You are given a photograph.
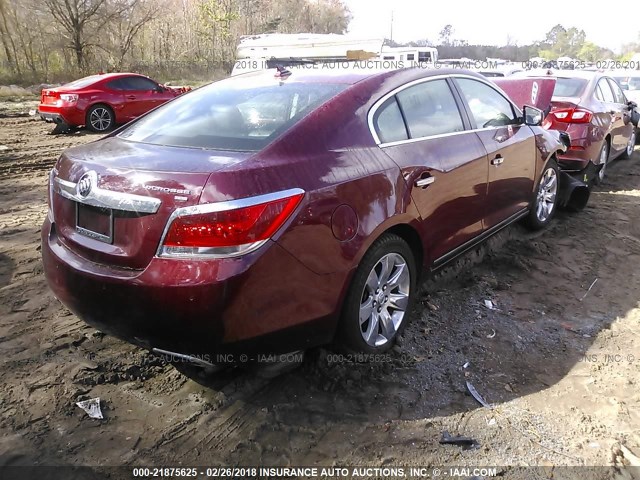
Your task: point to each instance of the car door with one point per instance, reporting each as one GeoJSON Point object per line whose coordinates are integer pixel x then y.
{"type": "Point", "coordinates": [421, 127]}
{"type": "Point", "coordinates": [614, 113]}
{"type": "Point", "coordinates": [623, 128]}
{"type": "Point", "coordinates": [510, 148]}
{"type": "Point", "coordinates": [141, 95]}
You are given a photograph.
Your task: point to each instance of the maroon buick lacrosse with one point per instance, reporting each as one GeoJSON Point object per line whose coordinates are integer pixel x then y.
{"type": "Point", "coordinates": [277, 210]}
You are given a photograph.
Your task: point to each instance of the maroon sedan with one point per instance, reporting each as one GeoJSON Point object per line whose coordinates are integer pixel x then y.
{"type": "Point", "coordinates": [593, 110]}
{"type": "Point", "coordinates": [278, 212]}
{"type": "Point", "coordinates": [101, 101]}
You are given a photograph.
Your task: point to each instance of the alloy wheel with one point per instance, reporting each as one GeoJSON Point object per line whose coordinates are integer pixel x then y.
{"type": "Point", "coordinates": [385, 299]}
{"type": "Point", "coordinates": [632, 144]}
{"type": "Point", "coordinates": [546, 198]}
{"type": "Point", "coordinates": [100, 119]}
{"type": "Point", "coordinates": [604, 157]}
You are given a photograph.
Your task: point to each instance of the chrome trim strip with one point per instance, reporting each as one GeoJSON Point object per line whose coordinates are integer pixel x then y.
{"type": "Point", "coordinates": [220, 207]}
{"type": "Point", "coordinates": [99, 197]}
{"type": "Point", "coordinates": [465, 247]}
{"type": "Point", "coordinates": [384, 98]}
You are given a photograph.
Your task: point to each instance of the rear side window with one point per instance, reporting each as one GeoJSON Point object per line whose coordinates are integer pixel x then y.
{"type": "Point", "coordinates": [388, 122]}
{"type": "Point", "coordinates": [233, 114]}
{"type": "Point", "coordinates": [488, 107]}
{"type": "Point", "coordinates": [569, 87]}
{"type": "Point", "coordinates": [117, 84]}
{"type": "Point", "coordinates": [429, 108]}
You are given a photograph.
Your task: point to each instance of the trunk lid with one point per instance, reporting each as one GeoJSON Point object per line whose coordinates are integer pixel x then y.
{"type": "Point", "coordinates": [49, 96]}
{"type": "Point", "coordinates": [536, 92]}
{"type": "Point", "coordinates": [134, 188]}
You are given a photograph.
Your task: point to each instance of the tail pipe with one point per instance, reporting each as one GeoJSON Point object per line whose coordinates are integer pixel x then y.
{"type": "Point", "coordinates": [574, 194]}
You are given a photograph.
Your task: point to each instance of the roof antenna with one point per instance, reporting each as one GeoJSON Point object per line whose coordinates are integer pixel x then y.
{"type": "Point", "coordinates": [282, 71]}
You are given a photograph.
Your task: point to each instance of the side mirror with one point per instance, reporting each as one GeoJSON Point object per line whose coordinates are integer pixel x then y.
{"type": "Point", "coordinates": [532, 116]}
{"type": "Point", "coordinates": [159, 89]}
{"type": "Point", "coordinates": [631, 104]}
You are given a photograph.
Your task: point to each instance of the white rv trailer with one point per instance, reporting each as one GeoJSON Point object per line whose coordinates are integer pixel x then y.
{"type": "Point", "coordinates": [259, 52]}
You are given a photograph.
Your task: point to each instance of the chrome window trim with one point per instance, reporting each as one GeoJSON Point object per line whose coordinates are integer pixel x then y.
{"type": "Point", "coordinates": [100, 197]}
{"type": "Point", "coordinates": [165, 252]}
{"type": "Point", "coordinates": [384, 98]}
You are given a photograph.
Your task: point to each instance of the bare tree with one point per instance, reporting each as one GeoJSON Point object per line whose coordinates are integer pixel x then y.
{"type": "Point", "coordinates": [74, 16]}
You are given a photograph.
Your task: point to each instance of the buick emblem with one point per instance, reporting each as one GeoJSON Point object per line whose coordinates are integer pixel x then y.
{"type": "Point", "coordinates": [84, 185]}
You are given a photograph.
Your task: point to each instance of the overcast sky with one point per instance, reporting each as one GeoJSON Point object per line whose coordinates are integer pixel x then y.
{"type": "Point", "coordinates": [492, 22]}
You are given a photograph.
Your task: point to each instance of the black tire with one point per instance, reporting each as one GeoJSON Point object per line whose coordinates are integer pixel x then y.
{"type": "Point", "coordinates": [100, 118]}
{"type": "Point", "coordinates": [390, 248]}
{"type": "Point", "coordinates": [628, 151]}
{"type": "Point", "coordinates": [602, 168]}
{"type": "Point", "coordinates": [535, 220]}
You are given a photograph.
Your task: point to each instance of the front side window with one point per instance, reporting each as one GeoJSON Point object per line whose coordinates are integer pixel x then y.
{"type": "Point", "coordinates": [603, 92]}
{"type": "Point", "coordinates": [137, 83]}
{"type": "Point", "coordinates": [488, 107]}
{"type": "Point", "coordinates": [233, 114]}
{"type": "Point", "coordinates": [429, 108]}
{"type": "Point", "coordinates": [618, 95]}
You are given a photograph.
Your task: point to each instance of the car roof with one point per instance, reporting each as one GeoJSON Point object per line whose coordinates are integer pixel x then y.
{"type": "Point", "coordinates": [554, 72]}
{"type": "Point", "coordinates": [109, 76]}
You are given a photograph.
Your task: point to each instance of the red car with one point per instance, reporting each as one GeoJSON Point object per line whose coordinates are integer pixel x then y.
{"type": "Point", "coordinates": [276, 212]}
{"type": "Point", "coordinates": [101, 101]}
{"type": "Point", "coordinates": [592, 108]}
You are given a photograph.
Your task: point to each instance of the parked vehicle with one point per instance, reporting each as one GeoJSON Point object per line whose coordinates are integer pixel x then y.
{"type": "Point", "coordinates": [629, 81]}
{"type": "Point", "coordinates": [101, 101]}
{"type": "Point", "coordinates": [500, 71]}
{"type": "Point", "coordinates": [273, 212]}
{"type": "Point", "coordinates": [592, 108]}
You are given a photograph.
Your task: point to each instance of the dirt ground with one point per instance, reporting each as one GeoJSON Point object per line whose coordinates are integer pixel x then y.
{"type": "Point", "coordinates": [558, 363]}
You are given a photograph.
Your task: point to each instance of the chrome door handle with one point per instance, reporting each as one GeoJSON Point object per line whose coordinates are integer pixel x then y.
{"type": "Point", "coordinates": [497, 161]}
{"type": "Point", "coordinates": [425, 182]}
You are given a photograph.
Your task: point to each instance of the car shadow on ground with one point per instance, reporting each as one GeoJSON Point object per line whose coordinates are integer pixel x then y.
{"type": "Point", "coordinates": [7, 266]}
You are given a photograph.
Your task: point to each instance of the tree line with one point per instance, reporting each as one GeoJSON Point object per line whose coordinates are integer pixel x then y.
{"type": "Point", "coordinates": [558, 42]}
{"type": "Point", "coordinates": [56, 40]}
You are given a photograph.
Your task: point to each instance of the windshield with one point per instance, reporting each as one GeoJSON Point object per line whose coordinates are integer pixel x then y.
{"type": "Point", "coordinates": [234, 114]}
{"type": "Point", "coordinates": [569, 87]}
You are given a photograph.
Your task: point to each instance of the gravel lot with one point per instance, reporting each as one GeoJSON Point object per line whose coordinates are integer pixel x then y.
{"type": "Point", "coordinates": [561, 370]}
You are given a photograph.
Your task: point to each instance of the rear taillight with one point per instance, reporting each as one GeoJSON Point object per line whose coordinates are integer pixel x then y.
{"type": "Point", "coordinates": [68, 98]}
{"type": "Point", "coordinates": [227, 229]}
{"type": "Point", "coordinates": [572, 115]}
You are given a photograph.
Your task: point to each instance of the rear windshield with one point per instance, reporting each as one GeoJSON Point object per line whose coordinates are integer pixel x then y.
{"type": "Point", "coordinates": [82, 82]}
{"type": "Point", "coordinates": [569, 87]}
{"type": "Point", "coordinates": [243, 114]}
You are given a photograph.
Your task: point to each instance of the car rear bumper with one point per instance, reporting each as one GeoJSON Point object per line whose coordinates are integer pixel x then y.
{"type": "Point", "coordinates": [579, 155]}
{"type": "Point", "coordinates": [69, 115]}
{"type": "Point", "coordinates": [197, 307]}
{"type": "Point", "coordinates": [52, 117]}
